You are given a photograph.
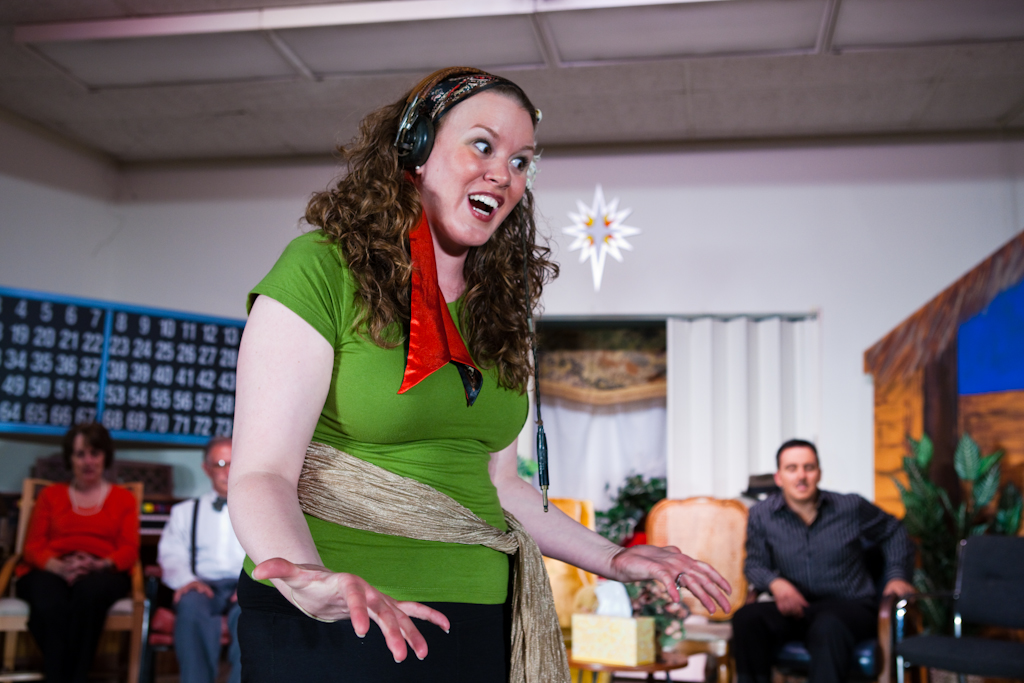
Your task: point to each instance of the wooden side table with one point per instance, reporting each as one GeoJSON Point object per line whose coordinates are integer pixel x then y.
{"type": "Point", "coordinates": [603, 673]}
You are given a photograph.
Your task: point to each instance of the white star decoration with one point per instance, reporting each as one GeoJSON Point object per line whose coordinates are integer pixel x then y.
{"type": "Point", "coordinates": [599, 231]}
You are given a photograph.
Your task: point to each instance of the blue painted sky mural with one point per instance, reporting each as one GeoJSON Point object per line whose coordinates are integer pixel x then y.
{"type": "Point", "coordinates": [991, 346]}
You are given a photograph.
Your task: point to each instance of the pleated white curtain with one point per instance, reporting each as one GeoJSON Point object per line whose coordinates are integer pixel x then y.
{"type": "Point", "coordinates": [737, 388]}
{"type": "Point", "coordinates": [592, 446]}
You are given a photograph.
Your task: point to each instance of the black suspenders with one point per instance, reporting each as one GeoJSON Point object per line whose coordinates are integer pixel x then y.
{"type": "Point", "coordinates": [195, 518]}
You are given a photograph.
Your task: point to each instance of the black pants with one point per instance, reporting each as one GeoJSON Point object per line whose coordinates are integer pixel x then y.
{"type": "Point", "coordinates": [279, 643]}
{"type": "Point", "coordinates": [830, 629]}
{"type": "Point", "coordinates": [67, 620]}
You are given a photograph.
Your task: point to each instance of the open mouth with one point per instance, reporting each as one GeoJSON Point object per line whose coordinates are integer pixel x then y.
{"type": "Point", "coordinates": [483, 205]}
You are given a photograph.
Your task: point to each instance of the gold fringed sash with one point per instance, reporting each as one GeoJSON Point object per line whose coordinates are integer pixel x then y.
{"type": "Point", "coordinates": [340, 488]}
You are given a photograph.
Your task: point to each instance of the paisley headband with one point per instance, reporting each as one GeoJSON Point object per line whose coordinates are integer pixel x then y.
{"type": "Point", "coordinates": [454, 89]}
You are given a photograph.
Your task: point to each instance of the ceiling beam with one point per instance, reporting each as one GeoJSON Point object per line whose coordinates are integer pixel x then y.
{"type": "Point", "coordinates": [1011, 114]}
{"type": "Point", "coordinates": [279, 18]}
{"type": "Point", "coordinates": [288, 55]}
{"type": "Point", "coordinates": [828, 27]}
{"type": "Point", "coordinates": [548, 47]}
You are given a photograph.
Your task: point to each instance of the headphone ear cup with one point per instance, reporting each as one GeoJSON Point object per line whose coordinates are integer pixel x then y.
{"type": "Point", "coordinates": [421, 140]}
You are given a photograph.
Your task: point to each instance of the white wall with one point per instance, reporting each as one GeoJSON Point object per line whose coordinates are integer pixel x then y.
{"type": "Point", "coordinates": [866, 234]}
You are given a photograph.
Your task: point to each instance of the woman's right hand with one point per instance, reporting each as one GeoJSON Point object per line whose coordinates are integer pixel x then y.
{"type": "Point", "coordinates": [331, 596]}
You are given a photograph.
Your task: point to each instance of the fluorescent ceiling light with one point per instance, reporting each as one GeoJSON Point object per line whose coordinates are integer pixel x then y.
{"type": "Point", "coordinates": [416, 45]}
{"type": "Point", "coordinates": [169, 59]}
{"type": "Point", "coordinates": [669, 31]}
{"type": "Point", "coordinates": [877, 23]}
{"type": "Point", "coordinates": [279, 18]}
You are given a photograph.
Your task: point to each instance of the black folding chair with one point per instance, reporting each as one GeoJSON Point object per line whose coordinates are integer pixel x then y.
{"type": "Point", "coordinates": [989, 591]}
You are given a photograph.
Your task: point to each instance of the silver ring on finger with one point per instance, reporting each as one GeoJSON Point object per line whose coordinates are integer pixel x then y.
{"type": "Point", "coordinates": [679, 583]}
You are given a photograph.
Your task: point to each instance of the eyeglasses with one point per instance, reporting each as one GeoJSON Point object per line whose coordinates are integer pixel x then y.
{"type": "Point", "coordinates": [220, 464]}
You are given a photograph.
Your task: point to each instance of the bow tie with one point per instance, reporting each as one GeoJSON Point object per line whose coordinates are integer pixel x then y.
{"type": "Point", "coordinates": [219, 503]}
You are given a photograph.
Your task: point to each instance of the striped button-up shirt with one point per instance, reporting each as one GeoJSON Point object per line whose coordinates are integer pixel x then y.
{"type": "Point", "coordinates": [825, 559]}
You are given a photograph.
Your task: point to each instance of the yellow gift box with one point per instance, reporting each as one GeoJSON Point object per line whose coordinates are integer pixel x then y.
{"type": "Point", "coordinates": [625, 641]}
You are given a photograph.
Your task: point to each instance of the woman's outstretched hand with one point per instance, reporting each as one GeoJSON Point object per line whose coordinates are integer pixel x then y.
{"type": "Point", "coordinates": [330, 596]}
{"type": "Point", "coordinates": [673, 569]}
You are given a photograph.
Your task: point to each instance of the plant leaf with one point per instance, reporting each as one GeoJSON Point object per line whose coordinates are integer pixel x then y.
{"type": "Point", "coordinates": [922, 583]}
{"type": "Point", "coordinates": [946, 503]}
{"type": "Point", "coordinates": [913, 443]}
{"type": "Point", "coordinates": [908, 498]}
{"type": "Point", "coordinates": [967, 458]}
{"type": "Point", "coordinates": [902, 489]}
{"type": "Point", "coordinates": [1011, 496]}
{"type": "Point", "coordinates": [1013, 520]}
{"type": "Point", "coordinates": [1008, 515]}
{"type": "Point", "coordinates": [919, 484]}
{"type": "Point", "coordinates": [923, 452]}
{"type": "Point", "coordinates": [635, 497]}
{"type": "Point", "coordinates": [988, 462]}
{"type": "Point", "coordinates": [985, 488]}
{"type": "Point", "coordinates": [1001, 524]}
{"type": "Point", "coordinates": [933, 612]}
{"type": "Point", "coordinates": [526, 468]}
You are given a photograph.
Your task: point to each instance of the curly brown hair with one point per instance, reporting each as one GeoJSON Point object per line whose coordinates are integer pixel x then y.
{"type": "Point", "coordinates": [370, 212]}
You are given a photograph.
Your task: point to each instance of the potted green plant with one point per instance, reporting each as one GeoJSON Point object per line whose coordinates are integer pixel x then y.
{"type": "Point", "coordinates": [632, 502]}
{"type": "Point", "coordinates": [938, 526]}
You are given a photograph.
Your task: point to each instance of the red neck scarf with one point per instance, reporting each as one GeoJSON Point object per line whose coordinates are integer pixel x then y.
{"type": "Point", "coordinates": [434, 340]}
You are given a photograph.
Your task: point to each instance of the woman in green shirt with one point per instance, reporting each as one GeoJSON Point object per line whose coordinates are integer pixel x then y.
{"type": "Point", "coordinates": [394, 337]}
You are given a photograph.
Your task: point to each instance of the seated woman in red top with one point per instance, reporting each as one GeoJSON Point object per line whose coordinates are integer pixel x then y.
{"type": "Point", "coordinates": [82, 541]}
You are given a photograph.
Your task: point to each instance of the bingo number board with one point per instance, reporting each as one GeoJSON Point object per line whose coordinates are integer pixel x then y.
{"type": "Point", "coordinates": [146, 374]}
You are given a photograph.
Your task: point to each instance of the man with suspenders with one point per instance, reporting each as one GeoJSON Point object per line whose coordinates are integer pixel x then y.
{"type": "Point", "coordinates": [201, 560]}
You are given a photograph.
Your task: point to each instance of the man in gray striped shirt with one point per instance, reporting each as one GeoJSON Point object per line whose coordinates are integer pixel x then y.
{"type": "Point", "coordinates": [807, 548]}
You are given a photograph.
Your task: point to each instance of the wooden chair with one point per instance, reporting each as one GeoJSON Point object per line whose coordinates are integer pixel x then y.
{"type": "Point", "coordinates": [714, 531]}
{"type": "Point", "coordinates": [566, 579]}
{"type": "Point", "coordinates": [127, 614]}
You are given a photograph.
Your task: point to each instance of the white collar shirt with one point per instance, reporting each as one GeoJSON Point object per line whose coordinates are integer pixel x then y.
{"type": "Point", "coordinates": [218, 554]}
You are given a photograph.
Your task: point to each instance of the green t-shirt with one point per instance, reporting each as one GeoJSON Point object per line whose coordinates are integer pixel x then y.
{"type": "Point", "coordinates": [428, 434]}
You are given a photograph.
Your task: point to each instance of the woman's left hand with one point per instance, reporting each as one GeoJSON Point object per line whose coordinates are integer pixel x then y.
{"type": "Point", "coordinates": [563, 538]}
{"type": "Point", "coordinates": [673, 569]}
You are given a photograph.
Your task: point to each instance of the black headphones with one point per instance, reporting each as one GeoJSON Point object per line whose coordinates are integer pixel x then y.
{"type": "Point", "coordinates": [415, 136]}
